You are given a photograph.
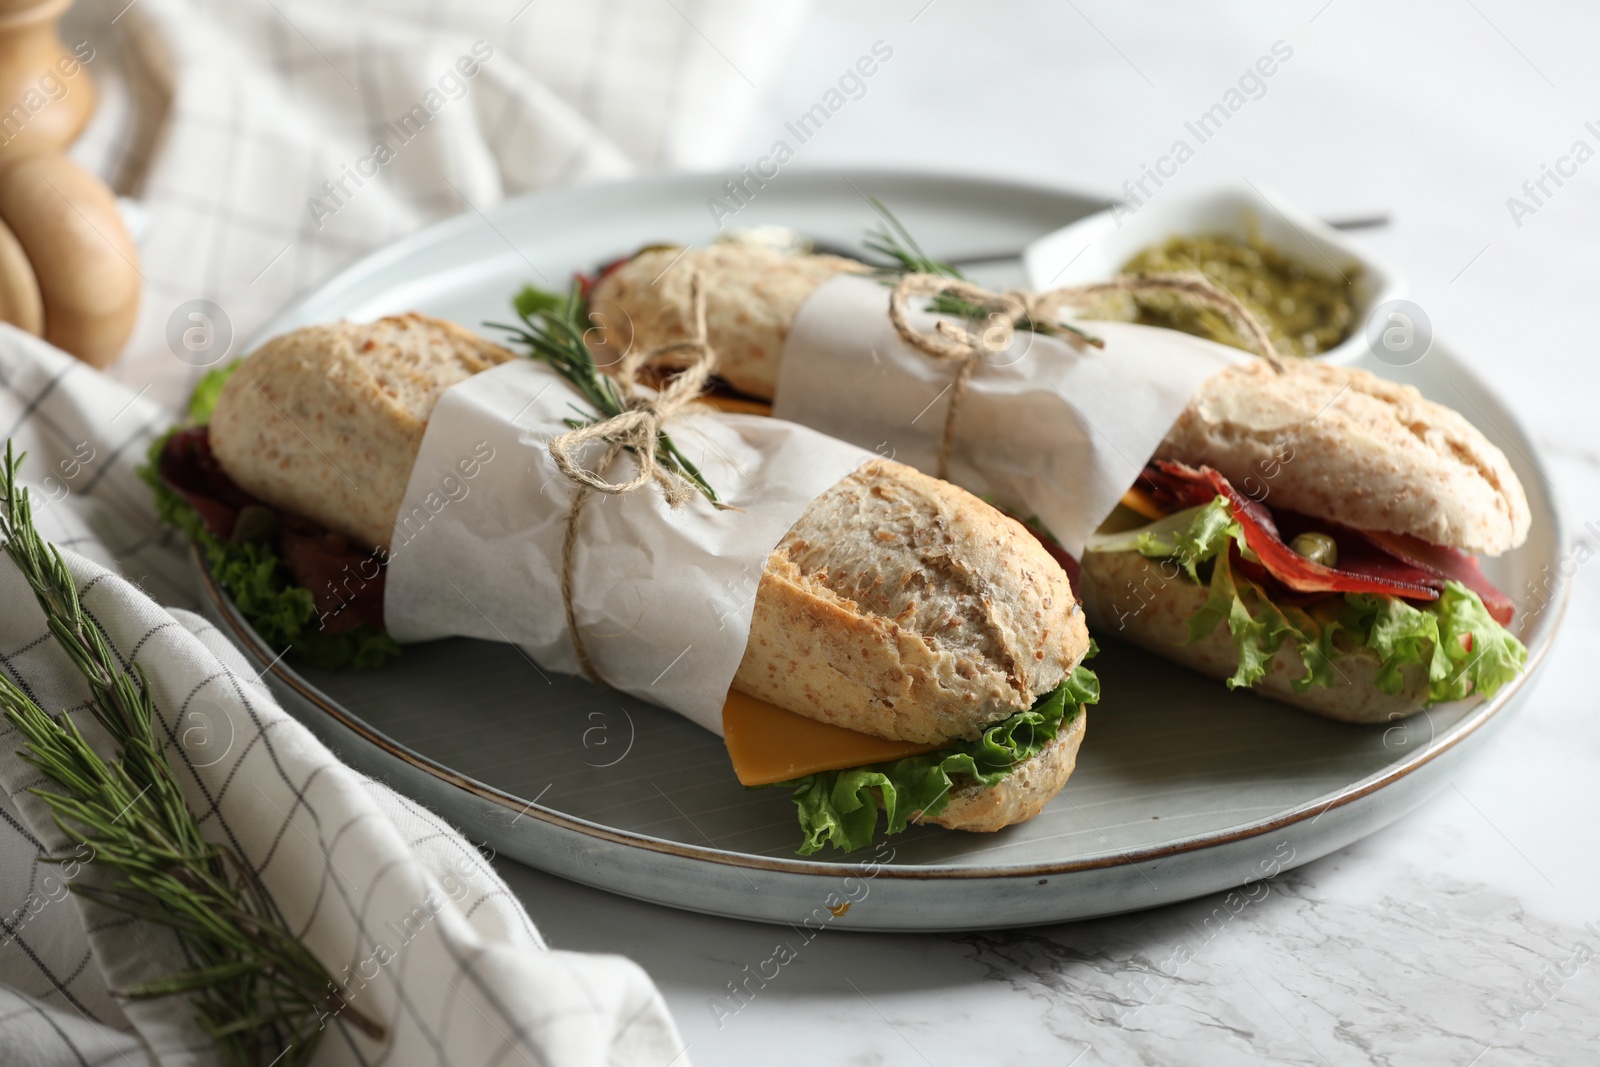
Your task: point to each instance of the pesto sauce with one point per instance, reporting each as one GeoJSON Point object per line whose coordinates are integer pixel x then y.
{"type": "Point", "coordinates": [1305, 311]}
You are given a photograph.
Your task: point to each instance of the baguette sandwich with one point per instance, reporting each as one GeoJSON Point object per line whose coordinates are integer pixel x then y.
{"type": "Point", "coordinates": [912, 650]}
{"type": "Point", "coordinates": [1310, 535]}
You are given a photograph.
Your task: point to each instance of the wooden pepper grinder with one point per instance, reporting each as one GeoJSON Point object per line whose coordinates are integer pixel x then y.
{"type": "Point", "coordinates": [68, 268]}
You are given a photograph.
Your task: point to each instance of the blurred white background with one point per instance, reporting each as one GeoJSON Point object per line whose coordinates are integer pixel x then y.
{"type": "Point", "coordinates": [1434, 113]}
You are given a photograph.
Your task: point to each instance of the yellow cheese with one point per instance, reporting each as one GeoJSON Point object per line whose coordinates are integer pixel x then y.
{"type": "Point", "coordinates": [1143, 503]}
{"type": "Point", "coordinates": [734, 404]}
{"type": "Point", "coordinates": [768, 744]}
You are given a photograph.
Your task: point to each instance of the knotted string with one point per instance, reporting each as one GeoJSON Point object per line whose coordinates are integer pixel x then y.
{"type": "Point", "coordinates": [951, 343]}
{"type": "Point", "coordinates": [637, 429]}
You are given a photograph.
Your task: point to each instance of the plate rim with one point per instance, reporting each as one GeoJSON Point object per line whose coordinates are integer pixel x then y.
{"type": "Point", "coordinates": [245, 636]}
{"type": "Point", "coordinates": [445, 228]}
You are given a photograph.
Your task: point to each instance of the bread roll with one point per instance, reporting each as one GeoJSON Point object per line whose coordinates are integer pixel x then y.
{"type": "Point", "coordinates": [325, 421]}
{"type": "Point", "coordinates": [752, 297]}
{"type": "Point", "coordinates": [901, 606]}
{"type": "Point", "coordinates": [1020, 795]}
{"type": "Point", "coordinates": [1367, 453]}
{"type": "Point", "coordinates": [1127, 596]}
{"type": "Point", "coordinates": [84, 262]}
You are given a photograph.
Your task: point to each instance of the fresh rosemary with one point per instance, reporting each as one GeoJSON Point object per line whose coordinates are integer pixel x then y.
{"type": "Point", "coordinates": [893, 241]}
{"type": "Point", "coordinates": [553, 328]}
{"type": "Point", "coordinates": [257, 991]}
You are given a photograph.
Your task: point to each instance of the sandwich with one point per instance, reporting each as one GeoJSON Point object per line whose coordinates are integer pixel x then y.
{"type": "Point", "coordinates": [1310, 535]}
{"type": "Point", "coordinates": [913, 652]}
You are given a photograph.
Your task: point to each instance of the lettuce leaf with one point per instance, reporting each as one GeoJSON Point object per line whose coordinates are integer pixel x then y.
{"type": "Point", "coordinates": [1464, 650]}
{"type": "Point", "coordinates": [203, 401]}
{"type": "Point", "coordinates": [284, 614]}
{"type": "Point", "coordinates": [1202, 536]}
{"type": "Point", "coordinates": [840, 808]}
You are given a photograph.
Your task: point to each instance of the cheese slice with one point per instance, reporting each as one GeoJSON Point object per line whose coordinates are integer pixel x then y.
{"type": "Point", "coordinates": [768, 744]}
{"type": "Point", "coordinates": [736, 405]}
{"type": "Point", "coordinates": [1142, 502]}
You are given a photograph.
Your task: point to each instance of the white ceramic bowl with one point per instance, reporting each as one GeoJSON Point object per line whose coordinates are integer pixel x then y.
{"type": "Point", "coordinates": [1094, 248]}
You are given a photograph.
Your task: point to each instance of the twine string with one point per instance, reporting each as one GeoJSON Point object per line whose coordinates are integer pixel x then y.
{"type": "Point", "coordinates": [637, 429]}
{"type": "Point", "coordinates": [1013, 309]}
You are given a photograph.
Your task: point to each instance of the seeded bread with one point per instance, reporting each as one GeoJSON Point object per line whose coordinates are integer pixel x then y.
{"type": "Point", "coordinates": [1126, 596]}
{"type": "Point", "coordinates": [901, 606]}
{"type": "Point", "coordinates": [325, 421]}
{"type": "Point", "coordinates": [752, 297]}
{"type": "Point", "coordinates": [1020, 795]}
{"type": "Point", "coordinates": [1345, 445]}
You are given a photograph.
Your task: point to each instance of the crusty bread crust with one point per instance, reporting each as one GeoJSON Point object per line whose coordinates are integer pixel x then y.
{"type": "Point", "coordinates": [1366, 452]}
{"type": "Point", "coordinates": [1127, 596]}
{"type": "Point", "coordinates": [325, 421]}
{"type": "Point", "coordinates": [752, 297]}
{"type": "Point", "coordinates": [1020, 795]}
{"type": "Point", "coordinates": [901, 606]}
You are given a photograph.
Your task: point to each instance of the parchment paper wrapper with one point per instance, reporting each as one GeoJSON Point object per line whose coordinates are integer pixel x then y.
{"type": "Point", "coordinates": [1047, 427]}
{"type": "Point", "coordinates": [664, 598]}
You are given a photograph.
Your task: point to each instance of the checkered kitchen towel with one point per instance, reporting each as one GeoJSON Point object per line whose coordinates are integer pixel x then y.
{"type": "Point", "coordinates": [232, 127]}
{"type": "Point", "coordinates": [243, 128]}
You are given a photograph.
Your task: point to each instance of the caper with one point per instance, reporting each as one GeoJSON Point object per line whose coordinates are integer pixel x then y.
{"type": "Point", "coordinates": [1317, 547]}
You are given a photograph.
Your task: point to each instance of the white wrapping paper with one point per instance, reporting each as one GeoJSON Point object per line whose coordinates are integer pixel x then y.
{"type": "Point", "coordinates": [664, 598]}
{"type": "Point", "coordinates": [1046, 428]}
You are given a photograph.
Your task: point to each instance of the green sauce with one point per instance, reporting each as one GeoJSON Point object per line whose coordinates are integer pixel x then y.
{"type": "Point", "coordinates": [1306, 311]}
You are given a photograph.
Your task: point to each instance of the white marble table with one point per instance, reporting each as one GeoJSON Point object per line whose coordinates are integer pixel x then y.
{"type": "Point", "coordinates": [1429, 942]}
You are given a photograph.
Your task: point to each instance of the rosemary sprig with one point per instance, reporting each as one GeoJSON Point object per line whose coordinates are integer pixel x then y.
{"type": "Point", "coordinates": [894, 241]}
{"type": "Point", "coordinates": [552, 328]}
{"type": "Point", "coordinates": [257, 991]}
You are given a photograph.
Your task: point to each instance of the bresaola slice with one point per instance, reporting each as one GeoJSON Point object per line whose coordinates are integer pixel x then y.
{"type": "Point", "coordinates": [318, 559]}
{"type": "Point", "coordinates": [1386, 564]}
{"type": "Point", "coordinates": [1283, 562]}
{"type": "Point", "coordinates": [1448, 563]}
{"type": "Point", "coordinates": [1359, 555]}
{"type": "Point", "coordinates": [189, 469]}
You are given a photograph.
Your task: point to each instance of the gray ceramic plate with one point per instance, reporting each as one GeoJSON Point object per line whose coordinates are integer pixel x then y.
{"type": "Point", "coordinates": [1181, 788]}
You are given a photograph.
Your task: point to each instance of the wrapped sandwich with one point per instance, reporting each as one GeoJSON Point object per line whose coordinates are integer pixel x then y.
{"type": "Point", "coordinates": [904, 647]}
{"type": "Point", "coordinates": [1304, 529]}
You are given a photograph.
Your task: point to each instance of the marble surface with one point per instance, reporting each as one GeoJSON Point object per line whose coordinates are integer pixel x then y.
{"type": "Point", "coordinates": [1464, 933]}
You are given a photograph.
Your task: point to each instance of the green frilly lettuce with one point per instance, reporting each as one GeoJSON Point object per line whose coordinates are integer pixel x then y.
{"type": "Point", "coordinates": [1463, 649]}
{"type": "Point", "coordinates": [841, 808]}
{"type": "Point", "coordinates": [284, 614]}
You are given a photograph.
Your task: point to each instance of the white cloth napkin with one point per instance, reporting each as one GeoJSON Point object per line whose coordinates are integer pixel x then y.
{"type": "Point", "coordinates": [222, 120]}
{"type": "Point", "coordinates": [348, 862]}
{"type": "Point", "coordinates": [220, 123]}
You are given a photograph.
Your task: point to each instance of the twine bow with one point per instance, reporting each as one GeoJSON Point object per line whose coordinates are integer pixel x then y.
{"type": "Point", "coordinates": [952, 343]}
{"type": "Point", "coordinates": [637, 429]}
